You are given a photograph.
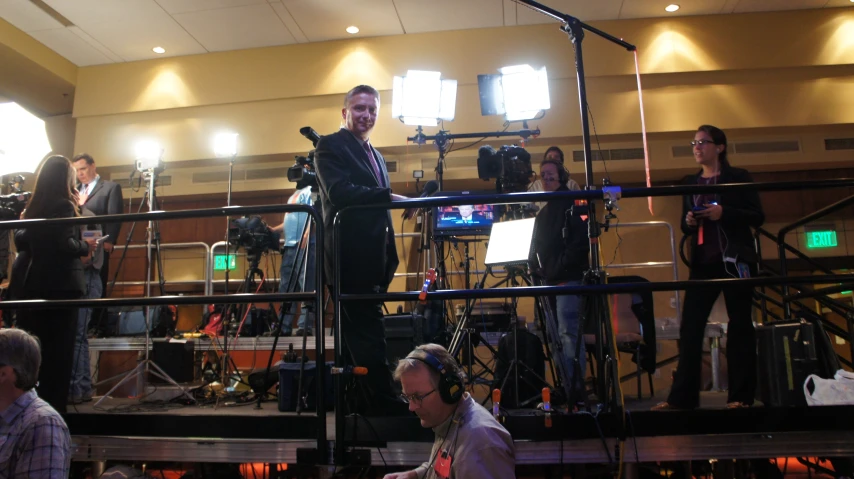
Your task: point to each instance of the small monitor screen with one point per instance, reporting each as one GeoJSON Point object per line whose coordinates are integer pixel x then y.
{"type": "Point", "coordinates": [462, 219]}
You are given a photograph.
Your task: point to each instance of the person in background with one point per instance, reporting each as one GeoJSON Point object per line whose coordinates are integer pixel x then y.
{"type": "Point", "coordinates": [563, 261]}
{"type": "Point", "coordinates": [722, 247]}
{"type": "Point", "coordinates": [469, 442]}
{"type": "Point", "coordinates": [80, 390]}
{"type": "Point", "coordinates": [49, 266]}
{"type": "Point", "coordinates": [36, 443]}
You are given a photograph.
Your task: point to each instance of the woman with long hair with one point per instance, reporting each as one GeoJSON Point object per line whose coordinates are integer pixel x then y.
{"type": "Point", "coordinates": [721, 247]}
{"type": "Point", "coordinates": [48, 266]}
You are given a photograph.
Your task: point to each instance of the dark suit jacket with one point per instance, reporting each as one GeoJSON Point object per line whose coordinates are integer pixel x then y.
{"type": "Point", "coordinates": [368, 255]}
{"type": "Point", "coordinates": [106, 199]}
{"type": "Point", "coordinates": [48, 263]}
{"type": "Point", "coordinates": [741, 211]}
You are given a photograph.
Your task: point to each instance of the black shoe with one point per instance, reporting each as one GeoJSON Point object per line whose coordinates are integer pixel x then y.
{"type": "Point", "coordinates": [299, 331]}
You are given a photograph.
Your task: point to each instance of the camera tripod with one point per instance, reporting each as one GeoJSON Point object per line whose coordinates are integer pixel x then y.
{"type": "Point", "coordinates": [147, 366]}
{"type": "Point", "coordinates": [302, 251]}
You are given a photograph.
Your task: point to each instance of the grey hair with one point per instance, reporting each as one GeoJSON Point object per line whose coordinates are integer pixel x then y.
{"type": "Point", "coordinates": [22, 351]}
{"type": "Point", "coordinates": [414, 360]}
{"type": "Point", "coordinates": [359, 90]}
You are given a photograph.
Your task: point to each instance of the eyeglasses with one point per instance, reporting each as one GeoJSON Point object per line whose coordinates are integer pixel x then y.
{"type": "Point", "coordinates": [702, 142]}
{"type": "Point", "coordinates": [415, 398]}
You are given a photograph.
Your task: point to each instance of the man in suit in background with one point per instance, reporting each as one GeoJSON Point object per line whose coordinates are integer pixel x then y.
{"type": "Point", "coordinates": [352, 172]}
{"type": "Point", "coordinates": [101, 197]}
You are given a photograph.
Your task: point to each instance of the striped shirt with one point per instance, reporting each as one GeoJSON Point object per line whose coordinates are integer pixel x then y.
{"type": "Point", "coordinates": [34, 440]}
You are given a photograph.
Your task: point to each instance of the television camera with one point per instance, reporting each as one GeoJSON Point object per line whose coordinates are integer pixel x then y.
{"type": "Point", "coordinates": [510, 166]}
{"type": "Point", "coordinates": [252, 234]}
{"type": "Point", "coordinates": [304, 173]}
{"type": "Point", "coordinates": [12, 204]}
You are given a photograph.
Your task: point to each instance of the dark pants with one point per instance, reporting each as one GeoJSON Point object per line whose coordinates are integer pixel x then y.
{"type": "Point", "coordinates": [55, 329]}
{"type": "Point", "coordinates": [364, 339]}
{"type": "Point", "coordinates": [741, 339]}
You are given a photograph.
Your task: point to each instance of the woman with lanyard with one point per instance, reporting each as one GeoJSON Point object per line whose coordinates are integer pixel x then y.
{"type": "Point", "coordinates": [721, 247]}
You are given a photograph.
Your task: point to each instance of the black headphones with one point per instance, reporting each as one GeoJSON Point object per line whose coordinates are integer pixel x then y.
{"type": "Point", "coordinates": [450, 384]}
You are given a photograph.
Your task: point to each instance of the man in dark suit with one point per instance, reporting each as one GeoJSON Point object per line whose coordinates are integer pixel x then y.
{"type": "Point", "coordinates": [468, 216]}
{"type": "Point", "coordinates": [352, 172]}
{"type": "Point", "coordinates": [101, 197]}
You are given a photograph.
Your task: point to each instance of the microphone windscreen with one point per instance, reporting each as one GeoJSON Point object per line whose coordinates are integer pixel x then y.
{"type": "Point", "coordinates": [485, 151]}
{"type": "Point", "coordinates": [430, 187]}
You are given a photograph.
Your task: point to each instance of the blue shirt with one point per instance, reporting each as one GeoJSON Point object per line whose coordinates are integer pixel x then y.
{"type": "Point", "coordinates": [34, 440]}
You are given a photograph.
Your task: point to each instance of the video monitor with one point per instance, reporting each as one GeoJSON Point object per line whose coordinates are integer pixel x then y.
{"type": "Point", "coordinates": [463, 219]}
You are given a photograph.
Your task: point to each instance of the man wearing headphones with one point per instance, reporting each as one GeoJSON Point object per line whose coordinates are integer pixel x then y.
{"type": "Point", "coordinates": [469, 441]}
{"type": "Point", "coordinates": [559, 254]}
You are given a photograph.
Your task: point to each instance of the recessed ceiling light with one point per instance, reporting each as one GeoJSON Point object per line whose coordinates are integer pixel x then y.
{"type": "Point", "coordinates": [673, 7]}
{"type": "Point", "coordinates": [158, 50]}
{"type": "Point", "coordinates": [352, 30]}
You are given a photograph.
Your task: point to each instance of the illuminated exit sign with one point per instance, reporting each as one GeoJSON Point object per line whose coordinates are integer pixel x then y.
{"type": "Point", "coordinates": [821, 239]}
{"type": "Point", "coordinates": [220, 262]}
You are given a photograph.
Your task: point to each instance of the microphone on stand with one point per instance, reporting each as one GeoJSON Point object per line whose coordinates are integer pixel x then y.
{"type": "Point", "coordinates": [430, 188]}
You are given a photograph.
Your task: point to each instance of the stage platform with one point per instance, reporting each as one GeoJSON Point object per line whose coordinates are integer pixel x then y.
{"type": "Point", "coordinates": [125, 429]}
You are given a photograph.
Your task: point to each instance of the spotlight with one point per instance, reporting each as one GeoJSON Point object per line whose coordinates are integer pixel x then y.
{"type": "Point", "coordinates": [158, 50]}
{"type": "Point", "coordinates": [423, 98]}
{"type": "Point", "coordinates": [352, 29]}
{"type": "Point", "coordinates": [519, 92]}
{"type": "Point", "coordinates": [673, 7]}
{"type": "Point", "coordinates": [149, 155]}
{"type": "Point", "coordinates": [225, 145]}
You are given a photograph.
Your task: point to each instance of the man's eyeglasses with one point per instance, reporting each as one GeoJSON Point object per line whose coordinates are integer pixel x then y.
{"type": "Point", "coordinates": [416, 398]}
{"type": "Point", "coordinates": [702, 142]}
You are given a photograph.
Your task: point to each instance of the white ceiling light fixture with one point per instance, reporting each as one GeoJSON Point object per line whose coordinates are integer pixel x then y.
{"type": "Point", "coordinates": [423, 98]}
{"type": "Point", "coordinates": [158, 50]}
{"type": "Point", "coordinates": [23, 140]}
{"type": "Point", "coordinates": [352, 29]}
{"type": "Point", "coordinates": [673, 7]}
{"type": "Point", "coordinates": [519, 92]}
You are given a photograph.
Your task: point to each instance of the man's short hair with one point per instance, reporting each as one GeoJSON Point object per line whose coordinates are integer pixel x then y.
{"type": "Point", "coordinates": [408, 364]}
{"type": "Point", "coordinates": [21, 350]}
{"type": "Point", "coordinates": [359, 90]}
{"type": "Point", "coordinates": [558, 150]}
{"type": "Point", "coordinates": [83, 156]}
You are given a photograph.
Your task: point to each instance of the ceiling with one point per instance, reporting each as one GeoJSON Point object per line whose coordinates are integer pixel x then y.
{"type": "Point", "coordinates": [93, 32]}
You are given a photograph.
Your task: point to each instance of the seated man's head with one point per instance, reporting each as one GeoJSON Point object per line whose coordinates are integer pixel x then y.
{"type": "Point", "coordinates": [20, 358]}
{"type": "Point", "coordinates": [466, 211]}
{"type": "Point", "coordinates": [422, 383]}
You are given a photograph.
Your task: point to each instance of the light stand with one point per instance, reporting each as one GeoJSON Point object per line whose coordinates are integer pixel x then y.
{"type": "Point", "coordinates": [604, 330]}
{"type": "Point", "coordinates": [142, 370]}
{"type": "Point", "coordinates": [441, 141]}
{"type": "Point", "coordinates": [226, 311]}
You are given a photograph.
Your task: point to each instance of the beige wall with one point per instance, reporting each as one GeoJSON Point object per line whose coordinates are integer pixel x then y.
{"type": "Point", "coordinates": [761, 74]}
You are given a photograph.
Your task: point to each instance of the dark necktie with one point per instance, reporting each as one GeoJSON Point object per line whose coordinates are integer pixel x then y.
{"type": "Point", "coordinates": [374, 164]}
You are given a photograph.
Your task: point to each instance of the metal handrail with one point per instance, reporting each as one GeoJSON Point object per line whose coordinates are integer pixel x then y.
{"type": "Point", "coordinates": [207, 257]}
{"type": "Point", "coordinates": [781, 240]}
{"type": "Point", "coordinates": [316, 297]}
{"type": "Point", "coordinates": [656, 264]}
{"type": "Point", "coordinates": [531, 197]}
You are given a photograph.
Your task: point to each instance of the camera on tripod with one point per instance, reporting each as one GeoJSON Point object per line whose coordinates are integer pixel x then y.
{"type": "Point", "coordinates": [252, 234]}
{"type": "Point", "coordinates": [510, 166]}
{"type": "Point", "coordinates": [13, 204]}
{"type": "Point", "coordinates": [303, 173]}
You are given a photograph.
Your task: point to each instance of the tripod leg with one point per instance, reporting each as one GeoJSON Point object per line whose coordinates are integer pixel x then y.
{"type": "Point", "coordinates": [125, 249]}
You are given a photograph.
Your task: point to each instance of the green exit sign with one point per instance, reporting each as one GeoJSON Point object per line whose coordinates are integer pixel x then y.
{"type": "Point", "coordinates": [220, 262]}
{"type": "Point", "coordinates": [821, 239]}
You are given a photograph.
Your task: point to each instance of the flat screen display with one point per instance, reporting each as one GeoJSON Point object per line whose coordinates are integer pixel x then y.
{"type": "Point", "coordinates": [462, 219]}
